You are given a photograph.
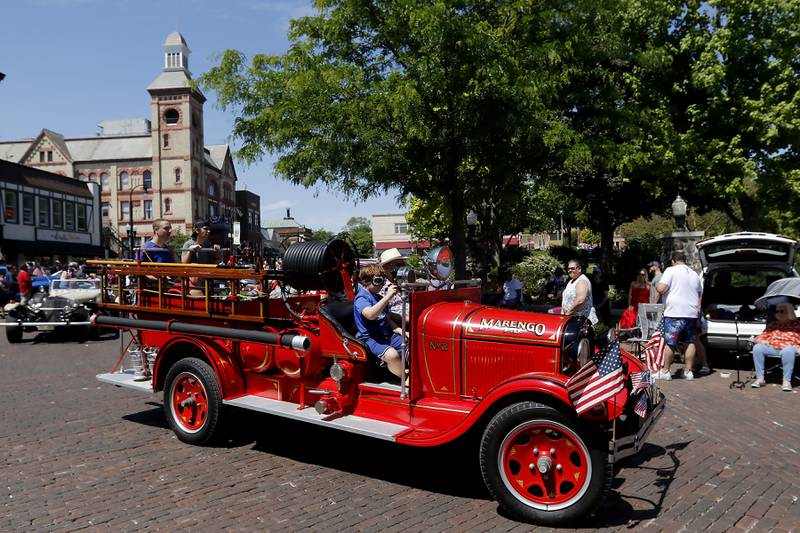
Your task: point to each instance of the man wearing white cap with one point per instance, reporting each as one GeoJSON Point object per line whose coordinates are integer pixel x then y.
{"type": "Point", "coordinates": [391, 259]}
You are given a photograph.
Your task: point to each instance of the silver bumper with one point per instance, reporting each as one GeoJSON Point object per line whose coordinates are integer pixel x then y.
{"type": "Point", "coordinates": [631, 444]}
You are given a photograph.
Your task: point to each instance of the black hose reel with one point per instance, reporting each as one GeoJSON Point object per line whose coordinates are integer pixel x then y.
{"type": "Point", "coordinates": [315, 266]}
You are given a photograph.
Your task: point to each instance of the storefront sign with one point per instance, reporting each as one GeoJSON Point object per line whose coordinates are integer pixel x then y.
{"type": "Point", "coordinates": [63, 236]}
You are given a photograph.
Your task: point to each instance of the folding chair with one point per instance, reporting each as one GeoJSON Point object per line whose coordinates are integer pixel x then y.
{"type": "Point", "coordinates": [648, 318]}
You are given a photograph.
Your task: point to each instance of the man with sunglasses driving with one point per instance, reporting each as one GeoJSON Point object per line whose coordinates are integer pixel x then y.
{"type": "Point", "coordinates": [375, 327]}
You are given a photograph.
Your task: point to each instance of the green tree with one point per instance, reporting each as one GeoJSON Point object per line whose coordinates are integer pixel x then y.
{"type": "Point", "coordinates": [323, 235]}
{"type": "Point", "coordinates": [613, 156]}
{"type": "Point", "coordinates": [737, 109]}
{"type": "Point", "coordinates": [428, 219]}
{"type": "Point", "coordinates": [443, 99]}
{"type": "Point", "coordinates": [360, 232]}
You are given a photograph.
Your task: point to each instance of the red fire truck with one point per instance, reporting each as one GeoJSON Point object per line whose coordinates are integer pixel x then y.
{"type": "Point", "coordinates": [211, 335]}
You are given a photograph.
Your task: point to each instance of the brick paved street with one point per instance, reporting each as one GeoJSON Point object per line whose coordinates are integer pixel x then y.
{"type": "Point", "coordinates": [81, 454]}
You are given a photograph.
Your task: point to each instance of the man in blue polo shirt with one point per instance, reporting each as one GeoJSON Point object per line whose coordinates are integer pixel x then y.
{"type": "Point", "coordinates": [375, 328]}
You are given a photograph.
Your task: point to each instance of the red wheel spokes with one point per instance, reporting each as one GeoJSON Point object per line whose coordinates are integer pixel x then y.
{"type": "Point", "coordinates": [189, 402]}
{"type": "Point", "coordinates": [544, 464]}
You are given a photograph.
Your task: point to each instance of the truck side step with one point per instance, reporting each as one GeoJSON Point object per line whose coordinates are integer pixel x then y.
{"type": "Point", "coordinates": [125, 380]}
{"type": "Point", "coordinates": [353, 424]}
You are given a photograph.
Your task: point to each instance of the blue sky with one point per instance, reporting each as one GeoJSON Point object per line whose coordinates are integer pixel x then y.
{"type": "Point", "coordinates": [72, 63]}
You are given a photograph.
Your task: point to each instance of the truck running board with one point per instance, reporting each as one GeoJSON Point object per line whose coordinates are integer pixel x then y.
{"type": "Point", "coordinates": [126, 380]}
{"type": "Point", "coordinates": [351, 423]}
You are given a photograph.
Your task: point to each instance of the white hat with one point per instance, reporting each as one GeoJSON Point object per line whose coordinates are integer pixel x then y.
{"type": "Point", "coordinates": [392, 254]}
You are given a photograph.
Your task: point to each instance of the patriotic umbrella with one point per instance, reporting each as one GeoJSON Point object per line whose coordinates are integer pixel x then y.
{"type": "Point", "coordinates": [598, 380]}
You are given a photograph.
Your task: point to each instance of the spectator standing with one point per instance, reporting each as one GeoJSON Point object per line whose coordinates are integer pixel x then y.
{"type": "Point", "coordinates": [24, 282]}
{"type": "Point", "coordinates": [680, 287]}
{"type": "Point", "coordinates": [638, 293]}
{"type": "Point", "coordinates": [512, 291]}
{"type": "Point", "coordinates": [577, 296]}
{"type": "Point", "coordinates": [655, 270]}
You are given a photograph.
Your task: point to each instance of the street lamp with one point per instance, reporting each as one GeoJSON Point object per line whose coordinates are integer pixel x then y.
{"type": "Point", "coordinates": [679, 212]}
{"type": "Point", "coordinates": [472, 221]}
{"type": "Point", "coordinates": [131, 229]}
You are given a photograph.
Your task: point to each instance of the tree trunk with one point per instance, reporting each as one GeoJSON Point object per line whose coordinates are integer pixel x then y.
{"type": "Point", "coordinates": [606, 244]}
{"type": "Point", "coordinates": [751, 214]}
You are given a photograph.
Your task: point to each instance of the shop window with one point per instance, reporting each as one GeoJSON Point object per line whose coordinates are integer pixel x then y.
{"type": "Point", "coordinates": [10, 204]}
{"type": "Point", "coordinates": [28, 216]}
{"type": "Point", "coordinates": [58, 214]}
{"type": "Point", "coordinates": [44, 212]}
{"type": "Point", "coordinates": [80, 216]}
{"type": "Point", "coordinates": [69, 216]}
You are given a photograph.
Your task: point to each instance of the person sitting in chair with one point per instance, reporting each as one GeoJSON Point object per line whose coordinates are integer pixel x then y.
{"type": "Point", "coordinates": [375, 327]}
{"type": "Point", "coordinates": [781, 339]}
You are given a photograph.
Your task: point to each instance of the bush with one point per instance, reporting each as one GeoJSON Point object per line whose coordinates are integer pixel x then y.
{"type": "Point", "coordinates": [562, 254]}
{"type": "Point", "coordinates": [534, 271]}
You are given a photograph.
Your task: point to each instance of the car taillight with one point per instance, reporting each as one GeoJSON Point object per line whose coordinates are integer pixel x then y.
{"type": "Point", "coordinates": [714, 314]}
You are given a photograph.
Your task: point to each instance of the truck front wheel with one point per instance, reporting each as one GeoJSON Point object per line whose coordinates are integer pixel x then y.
{"type": "Point", "coordinates": [192, 400]}
{"type": "Point", "coordinates": [540, 468]}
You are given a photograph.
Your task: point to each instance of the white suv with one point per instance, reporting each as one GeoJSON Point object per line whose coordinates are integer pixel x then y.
{"type": "Point", "coordinates": [737, 269]}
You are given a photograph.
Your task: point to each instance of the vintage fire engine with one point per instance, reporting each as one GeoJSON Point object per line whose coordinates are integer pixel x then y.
{"type": "Point", "coordinates": [210, 335]}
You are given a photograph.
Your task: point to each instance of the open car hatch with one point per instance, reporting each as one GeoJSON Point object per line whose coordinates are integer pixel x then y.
{"type": "Point", "coordinates": [748, 247]}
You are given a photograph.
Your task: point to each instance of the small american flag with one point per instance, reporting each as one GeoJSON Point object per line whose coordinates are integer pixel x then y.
{"type": "Point", "coordinates": [599, 379]}
{"type": "Point", "coordinates": [641, 404]}
{"type": "Point", "coordinates": [654, 352]}
{"type": "Point", "coordinates": [641, 380]}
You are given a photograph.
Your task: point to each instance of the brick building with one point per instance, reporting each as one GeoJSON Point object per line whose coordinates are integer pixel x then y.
{"type": "Point", "coordinates": [186, 178]}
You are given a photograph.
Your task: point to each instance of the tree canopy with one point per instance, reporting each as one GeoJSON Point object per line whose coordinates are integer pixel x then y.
{"type": "Point", "coordinates": [518, 110]}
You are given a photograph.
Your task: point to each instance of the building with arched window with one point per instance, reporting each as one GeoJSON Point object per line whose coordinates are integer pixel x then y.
{"type": "Point", "coordinates": [127, 155]}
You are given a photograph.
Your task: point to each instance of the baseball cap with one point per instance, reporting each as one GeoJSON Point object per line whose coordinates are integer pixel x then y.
{"type": "Point", "coordinates": [653, 264]}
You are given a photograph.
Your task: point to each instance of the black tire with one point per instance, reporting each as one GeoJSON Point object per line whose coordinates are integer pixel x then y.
{"type": "Point", "coordinates": [193, 421]}
{"type": "Point", "coordinates": [13, 333]}
{"type": "Point", "coordinates": [517, 432]}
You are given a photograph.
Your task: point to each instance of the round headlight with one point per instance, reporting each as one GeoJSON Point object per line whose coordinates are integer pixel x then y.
{"type": "Point", "coordinates": [440, 262]}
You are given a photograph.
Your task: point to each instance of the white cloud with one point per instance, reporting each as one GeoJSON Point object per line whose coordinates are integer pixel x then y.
{"type": "Point", "coordinates": [283, 204]}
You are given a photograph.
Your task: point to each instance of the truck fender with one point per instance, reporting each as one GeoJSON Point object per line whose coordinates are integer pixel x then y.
{"type": "Point", "coordinates": [217, 353]}
{"type": "Point", "coordinates": [531, 385]}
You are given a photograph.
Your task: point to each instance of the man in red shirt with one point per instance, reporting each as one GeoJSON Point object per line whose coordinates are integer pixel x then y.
{"type": "Point", "coordinates": [24, 282]}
